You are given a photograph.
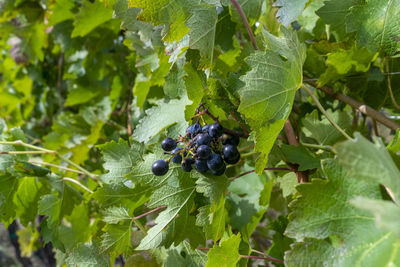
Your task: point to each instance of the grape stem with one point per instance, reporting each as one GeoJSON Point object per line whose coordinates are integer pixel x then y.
{"type": "Point", "coordinates": [227, 131]}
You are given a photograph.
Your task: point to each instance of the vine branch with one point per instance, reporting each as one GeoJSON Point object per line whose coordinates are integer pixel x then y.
{"type": "Point", "coordinates": [302, 177]}
{"type": "Point", "coordinates": [246, 23]}
{"type": "Point", "coordinates": [357, 105]}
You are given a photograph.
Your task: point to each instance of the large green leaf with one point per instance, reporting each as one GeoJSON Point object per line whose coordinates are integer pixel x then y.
{"type": "Point", "coordinates": [289, 10]}
{"type": "Point", "coordinates": [322, 130]}
{"type": "Point", "coordinates": [377, 24]}
{"type": "Point", "coordinates": [90, 16]}
{"type": "Point", "coordinates": [119, 159]}
{"type": "Point", "coordinates": [225, 254]}
{"type": "Point", "coordinates": [371, 162]}
{"type": "Point", "coordinates": [172, 13]}
{"type": "Point", "coordinates": [88, 255]}
{"type": "Point", "coordinates": [386, 213]}
{"type": "Point", "coordinates": [173, 222]}
{"type": "Point", "coordinates": [331, 231]}
{"type": "Point", "coordinates": [202, 25]}
{"type": "Point", "coordinates": [271, 84]}
{"type": "Point", "coordinates": [160, 117]}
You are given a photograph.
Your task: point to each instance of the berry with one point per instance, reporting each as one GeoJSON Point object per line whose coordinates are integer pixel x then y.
{"type": "Point", "coordinates": [203, 152]}
{"type": "Point", "coordinates": [186, 165]}
{"type": "Point", "coordinates": [201, 165]}
{"type": "Point", "coordinates": [230, 152]}
{"type": "Point", "coordinates": [178, 157]}
{"type": "Point", "coordinates": [168, 144]}
{"type": "Point", "coordinates": [233, 161]}
{"type": "Point", "coordinates": [215, 130]}
{"type": "Point", "coordinates": [196, 129]}
{"type": "Point", "coordinates": [189, 130]}
{"type": "Point", "coordinates": [160, 167]}
{"type": "Point", "coordinates": [215, 162]}
{"type": "Point", "coordinates": [220, 171]}
{"type": "Point", "coordinates": [231, 140]}
{"type": "Point", "coordinates": [203, 139]}
{"type": "Point", "coordinates": [205, 128]}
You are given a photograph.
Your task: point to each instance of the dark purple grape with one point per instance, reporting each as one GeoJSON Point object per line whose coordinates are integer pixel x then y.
{"type": "Point", "coordinates": [203, 152]}
{"type": "Point", "coordinates": [177, 158]}
{"type": "Point", "coordinates": [186, 165]}
{"type": "Point", "coordinates": [160, 167]}
{"type": "Point", "coordinates": [203, 139]}
{"type": "Point", "coordinates": [201, 165]}
{"type": "Point", "coordinates": [196, 128]}
{"type": "Point", "coordinates": [168, 144]}
{"type": "Point", "coordinates": [220, 171]}
{"type": "Point", "coordinates": [233, 161]}
{"type": "Point", "coordinates": [189, 130]}
{"type": "Point", "coordinates": [205, 128]}
{"type": "Point", "coordinates": [230, 152]}
{"type": "Point", "coordinates": [231, 140]}
{"type": "Point", "coordinates": [215, 162]}
{"type": "Point", "coordinates": [215, 130]}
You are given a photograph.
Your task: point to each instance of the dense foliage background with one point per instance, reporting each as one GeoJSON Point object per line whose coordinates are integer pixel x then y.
{"type": "Point", "coordinates": [89, 88]}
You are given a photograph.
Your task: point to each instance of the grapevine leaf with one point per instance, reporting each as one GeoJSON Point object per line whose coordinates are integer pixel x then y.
{"type": "Point", "coordinates": [114, 215]}
{"type": "Point", "coordinates": [225, 254]}
{"type": "Point", "coordinates": [300, 155]}
{"type": "Point", "coordinates": [271, 84]}
{"type": "Point", "coordinates": [8, 187]}
{"type": "Point", "coordinates": [318, 212]}
{"type": "Point", "coordinates": [177, 195]}
{"type": "Point", "coordinates": [322, 130]}
{"type": "Point", "coordinates": [386, 213]}
{"type": "Point", "coordinates": [120, 194]}
{"type": "Point", "coordinates": [289, 10]}
{"type": "Point", "coordinates": [377, 24]}
{"type": "Point", "coordinates": [334, 12]}
{"type": "Point", "coordinates": [202, 25]}
{"type": "Point", "coordinates": [117, 238]}
{"type": "Point", "coordinates": [160, 117]}
{"type": "Point", "coordinates": [172, 13]}
{"type": "Point", "coordinates": [26, 198]}
{"type": "Point", "coordinates": [212, 218]}
{"type": "Point", "coordinates": [90, 16]}
{"type": "Point", "coordinates": [322, 211]}
{"type": "Point", "coordinates": [194, 81]}
{"type": "Point", "coordinates": [88, 255]}
{"type": "Point", "coordinates": [288, 184]}
{"type": "Point", "coordinates": [371, 162]}
{"type": "Point", "coordinates": [343, 63]}
{"type": "Point", "coordinates": [211, 186]}
{"type": "Point", "coordinates": [119, 159]}
{"type": "Point", "coordinates": [61, 11]}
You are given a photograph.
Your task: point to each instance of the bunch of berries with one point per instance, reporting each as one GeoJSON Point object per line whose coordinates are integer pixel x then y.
{"type": "Point", "coordinates": [205, 147]}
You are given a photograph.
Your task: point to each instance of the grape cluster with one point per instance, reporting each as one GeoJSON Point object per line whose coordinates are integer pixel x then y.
{"type": "Point", "coordinates": [205, 148]}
